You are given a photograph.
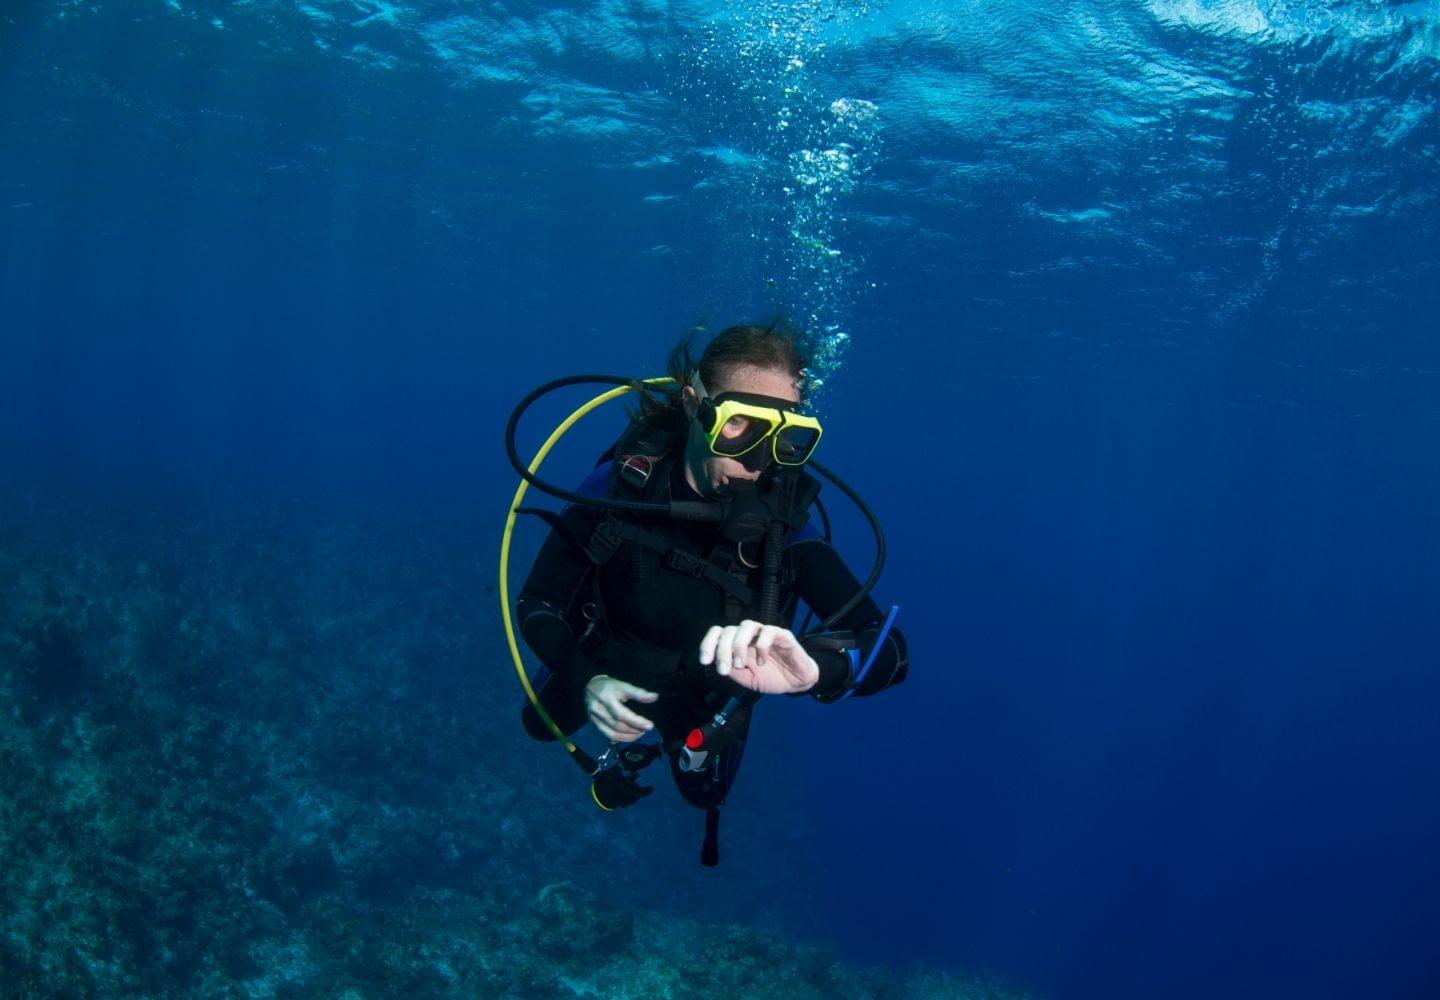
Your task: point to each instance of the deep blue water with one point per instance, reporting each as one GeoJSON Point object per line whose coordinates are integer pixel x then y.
{"type": "Point", "coordinates": [1141, 367]}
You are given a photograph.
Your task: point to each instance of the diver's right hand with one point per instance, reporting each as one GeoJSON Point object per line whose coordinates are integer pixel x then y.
{"type": "Point", "coordinates": [605, 699]}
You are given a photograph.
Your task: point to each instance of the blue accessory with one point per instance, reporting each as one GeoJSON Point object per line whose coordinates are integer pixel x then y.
{"type": "Point", "coordinates": [857, 676]}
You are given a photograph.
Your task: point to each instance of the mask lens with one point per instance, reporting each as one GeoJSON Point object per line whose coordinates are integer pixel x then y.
{"type": "Point", "coordinates": [739, 434]}
{"type": "Point", "coordinates": [793, 445]}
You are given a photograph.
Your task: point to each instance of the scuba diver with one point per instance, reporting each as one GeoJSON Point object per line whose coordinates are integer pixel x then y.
{"type": "Point", "coordinates": [662, 599]}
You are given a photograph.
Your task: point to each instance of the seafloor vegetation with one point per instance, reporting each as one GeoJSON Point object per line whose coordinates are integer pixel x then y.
{"type": "Point", "coordinates": [256, 752]}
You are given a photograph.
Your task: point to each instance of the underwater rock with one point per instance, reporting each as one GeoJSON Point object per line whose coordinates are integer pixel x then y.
{"type": "Point", "coordinates": [297, 874]}
{"type": "Point", "coordinates": [575, 926]}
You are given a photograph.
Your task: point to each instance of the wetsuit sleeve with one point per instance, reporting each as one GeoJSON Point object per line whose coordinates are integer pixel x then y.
{"type": "Point", "coordinates": [825, 583]}
{"type": "Point", "coordinates": [558, 585]}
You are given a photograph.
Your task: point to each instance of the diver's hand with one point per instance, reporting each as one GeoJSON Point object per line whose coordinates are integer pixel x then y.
{"type": "Point", "coordinates": [768, 659]}
{"type": "Point", "coordinates": [605, 699]}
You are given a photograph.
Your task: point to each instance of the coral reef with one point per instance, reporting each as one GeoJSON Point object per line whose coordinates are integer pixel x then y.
{"type": "Point", "coordinates": [271, 753]}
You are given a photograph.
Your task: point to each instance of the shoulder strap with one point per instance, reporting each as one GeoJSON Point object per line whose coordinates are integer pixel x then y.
{"type": "Point", "coordinates": [641, 456]}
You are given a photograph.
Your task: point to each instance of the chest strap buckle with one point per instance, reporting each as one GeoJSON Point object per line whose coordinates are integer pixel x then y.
{"type": "Point", "coordinates": [686, 562]}
{"type": "Point", "coordinates": [604, 540]}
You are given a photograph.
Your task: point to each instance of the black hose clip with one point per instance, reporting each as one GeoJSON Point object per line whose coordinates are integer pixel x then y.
{"type": "Point", "coordinates": [615, 782]}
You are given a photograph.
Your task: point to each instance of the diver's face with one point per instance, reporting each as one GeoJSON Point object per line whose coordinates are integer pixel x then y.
{"type": "Point", "coordinates": [704, 470]}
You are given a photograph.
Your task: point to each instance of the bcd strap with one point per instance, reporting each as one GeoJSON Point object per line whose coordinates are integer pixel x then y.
{"type": "Point", "coordinates": [605, 539]}
{"type": "Point", "coordinates": [612, 532]}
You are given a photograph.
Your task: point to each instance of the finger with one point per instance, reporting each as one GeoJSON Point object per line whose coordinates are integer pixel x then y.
{"type": "Point", "coordinates": [629, 692]}
{"type": "Point", "coordinates": [613, 729]}
{"type": "Point", "coordinates": [603, 714]}
{"type": "Point", "coordinates": [707, 646]}
{"type": "Point", "coordinates": [620, 735]}
{"type": "Point", "coordinates": [740, 642]}
{"type": "Point", "coordinates": [626, 717]}
{"type": "Point", "coordinates": [763, 643]}
{"type": "Point", "coordinates": [601, 718]}
{"type": "Point", "coordinates": [722, 650]}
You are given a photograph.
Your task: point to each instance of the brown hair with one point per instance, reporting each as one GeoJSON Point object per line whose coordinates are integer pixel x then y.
{"type": "Point", "coordinates": [776, 346]}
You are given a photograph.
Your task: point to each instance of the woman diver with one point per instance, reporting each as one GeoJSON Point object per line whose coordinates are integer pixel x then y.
{"type": "Point", "coordinates": [648, 622]}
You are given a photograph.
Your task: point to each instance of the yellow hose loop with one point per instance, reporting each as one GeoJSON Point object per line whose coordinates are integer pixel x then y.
{"type": "Point", "coordinates": [504, 587]}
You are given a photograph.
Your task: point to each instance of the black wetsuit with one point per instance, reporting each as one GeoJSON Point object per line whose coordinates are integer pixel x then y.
{"type": "Point", "coordinates": [654, 617]}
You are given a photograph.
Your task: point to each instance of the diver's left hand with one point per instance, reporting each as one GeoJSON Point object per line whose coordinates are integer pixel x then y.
{"type": "Point", "coordinates": [764, 658]}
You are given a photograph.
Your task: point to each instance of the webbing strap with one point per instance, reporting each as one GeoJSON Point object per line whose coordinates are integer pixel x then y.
{"type": "Point", "coordinates": [611, 533]}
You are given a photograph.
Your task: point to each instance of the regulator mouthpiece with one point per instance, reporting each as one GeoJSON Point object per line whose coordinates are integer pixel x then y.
{"type": "Point", "coordinates": [746, 518]}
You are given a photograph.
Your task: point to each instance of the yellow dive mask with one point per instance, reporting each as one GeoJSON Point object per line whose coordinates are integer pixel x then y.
{"type": "Point", "coordinates": [735, 423]}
